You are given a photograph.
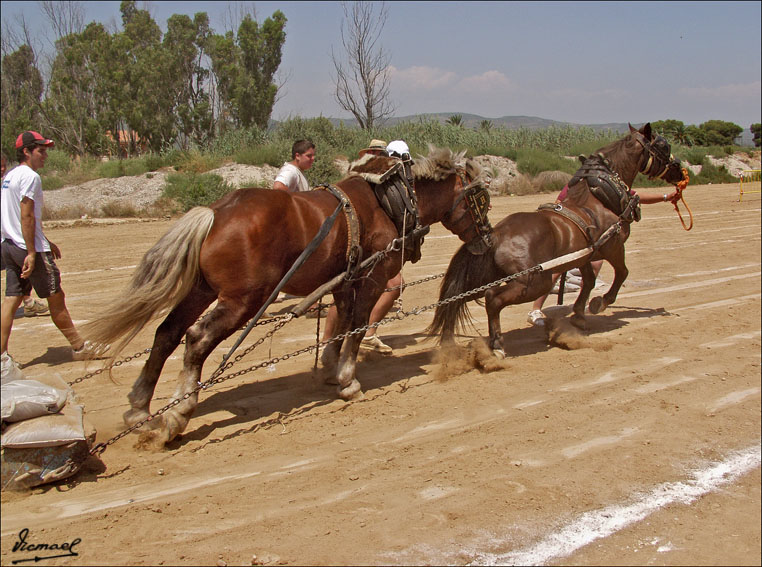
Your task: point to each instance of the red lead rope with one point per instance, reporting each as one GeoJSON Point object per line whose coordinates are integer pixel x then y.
{"type": "Point", "coordinates": [681, 185]}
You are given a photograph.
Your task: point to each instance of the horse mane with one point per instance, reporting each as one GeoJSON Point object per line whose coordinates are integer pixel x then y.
{"type": "Point", "coordinates": [443, 162]}
{"type": "Point", "coordinates": [616, 150]}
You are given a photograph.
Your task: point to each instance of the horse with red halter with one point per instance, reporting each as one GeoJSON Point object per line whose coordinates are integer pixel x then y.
{"type": "Point", "coordinates": [246, 247]}
{"type": "Point", "coordinates": [593, 221]}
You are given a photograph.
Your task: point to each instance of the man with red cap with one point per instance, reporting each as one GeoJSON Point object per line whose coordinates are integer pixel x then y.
{"type": "Point", "coordinates": [28, 256]}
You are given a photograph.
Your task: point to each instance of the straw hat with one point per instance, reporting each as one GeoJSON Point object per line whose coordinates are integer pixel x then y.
{"type": "Point", "coordinates": [376, 146]}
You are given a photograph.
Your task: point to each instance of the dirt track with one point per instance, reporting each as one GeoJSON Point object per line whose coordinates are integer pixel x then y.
{"type": "Point", "coordinates": [640, 447]}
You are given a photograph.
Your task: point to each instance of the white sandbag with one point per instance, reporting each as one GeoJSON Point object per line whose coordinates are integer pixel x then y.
{"type": "Point", "coordinates": [26, 399]}
{"type": "Point", "coordinates": [9, 369]}
{"type": "Point", "coordinates": [48, 430]}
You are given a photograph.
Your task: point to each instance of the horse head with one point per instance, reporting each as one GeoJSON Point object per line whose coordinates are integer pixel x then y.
{"type": "Point", "coordinates": [463, 201]}
{"type": "Point", "coordinates": [657, 160]}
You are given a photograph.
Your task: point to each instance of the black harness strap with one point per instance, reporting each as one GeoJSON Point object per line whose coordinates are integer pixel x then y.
{"type": "Point", "coordinates": [558, 208]}
{"type": "Point", "coordinates": [605, 185]}
{"type": "Point", "coordinates": [354, 250]}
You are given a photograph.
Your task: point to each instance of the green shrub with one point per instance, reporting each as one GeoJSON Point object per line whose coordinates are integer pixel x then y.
{"type": "Point", "coordinates": [52, 182]}
{"type": "Point", "coordinates": [232, 141]}
{"type": "Point", "coordinates": [115, 209]}
{"type": "Point", "coordinates": [112, 168]}
{"type": "Point", "coordinates": [268, 154]}
{"type": "Point", "coordinates": [712, 174]}
{"type": "Point", "coordinates": [534, 161]}
{"type": "Point", "coordinates": [193, 189]}
{"type": "Point", "coordinates": [58, 161]}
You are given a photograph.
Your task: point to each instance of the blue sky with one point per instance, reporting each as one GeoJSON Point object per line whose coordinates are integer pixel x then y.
{"type": "Point", "coordinates": [579, 62]}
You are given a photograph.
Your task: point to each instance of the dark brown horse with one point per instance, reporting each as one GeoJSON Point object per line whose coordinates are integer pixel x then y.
{"type": "Point", "coordinates": [238, 250]}
{"type": "Point", "coordinates": [525, 240]}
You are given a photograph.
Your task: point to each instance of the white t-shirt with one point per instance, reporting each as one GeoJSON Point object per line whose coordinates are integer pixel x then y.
{"type": "Point", "coordinates": [22, 181]}
{"type": "Point", "coordinates": [293, 178]}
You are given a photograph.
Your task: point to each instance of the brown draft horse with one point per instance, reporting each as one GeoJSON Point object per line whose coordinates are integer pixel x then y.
{"type": "Point", "coordinates": [527, 239]}
{"type": "Point", "coordinates": [237, 250]}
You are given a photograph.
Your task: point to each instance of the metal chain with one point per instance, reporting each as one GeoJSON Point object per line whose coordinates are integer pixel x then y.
{"type": "Point", "coordinates": [217, 377]}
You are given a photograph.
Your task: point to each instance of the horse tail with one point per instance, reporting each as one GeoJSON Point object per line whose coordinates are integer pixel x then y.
{"type": "Point", "coordinates": [466, 271]}
{"type": "Point", "coordinates": [164, 277]}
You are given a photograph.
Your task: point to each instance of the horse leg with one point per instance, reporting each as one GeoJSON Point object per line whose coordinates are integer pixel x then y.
{"type": "Point", "coordinates": [201, 339]}
{"type": "Point", "coordinates": [494, 306]}
{"type": "Point", "coordinates": [167, 337]}
{"type": "Point", "coordinates": [588, 282]}
{"type": "Point", "coordinates": [356, 311]}
{"type": "Point", "coordinates": [616, 259]}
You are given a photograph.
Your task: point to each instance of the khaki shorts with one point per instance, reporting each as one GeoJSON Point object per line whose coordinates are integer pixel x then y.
{"type": "Point", "coordinates": [45, 278]}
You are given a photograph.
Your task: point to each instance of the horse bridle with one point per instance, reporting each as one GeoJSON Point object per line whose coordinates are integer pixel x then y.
{"type": "Point", "coordinates": [659, 155]}
{"type": "Point", "coordinates": [476, 204]}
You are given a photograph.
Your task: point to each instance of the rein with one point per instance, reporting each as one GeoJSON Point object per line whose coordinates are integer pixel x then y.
{"type": "Point", "coordinates": [680, 187]}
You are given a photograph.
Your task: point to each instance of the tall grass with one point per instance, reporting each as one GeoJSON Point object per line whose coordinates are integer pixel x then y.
{"type": "Point", "coordinates": [534, 151]}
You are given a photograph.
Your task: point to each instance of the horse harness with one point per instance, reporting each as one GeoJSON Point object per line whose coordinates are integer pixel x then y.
{"type": "Point", "coordinates": [606, 186]}
{"type": "Point", "coordinates": [354, 250]}
{"type": "Point", "coordinates": [475, 197]}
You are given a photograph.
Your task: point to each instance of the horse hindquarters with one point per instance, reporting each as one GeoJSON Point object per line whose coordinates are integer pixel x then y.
{"type": "Point", "coordinates": [466, 271]}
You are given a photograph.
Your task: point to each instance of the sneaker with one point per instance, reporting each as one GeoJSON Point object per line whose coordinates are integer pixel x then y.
{"type": "Point", "coordinates": [374, 343]}
{"type": "Point", "coordinates": [536, 318]}
{"type": "Point", "coordinates": [36, 308]}
{"type": "Point", "coordinates": [89, 351]}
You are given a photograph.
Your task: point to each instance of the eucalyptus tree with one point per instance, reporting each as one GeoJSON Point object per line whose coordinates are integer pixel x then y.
{"type": "Point", "coordinates": [21, 95]}
{"type": "Point", "coordinates": [244, 66]}
{"type": "Point", "coordinates": [189, 79]}
{"type": "Point", "coordinates": [76, 107]}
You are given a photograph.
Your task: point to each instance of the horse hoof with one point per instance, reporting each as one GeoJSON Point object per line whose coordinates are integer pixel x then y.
{"type": "Point", "coordinates": [578, 321]}
{"type": "Point", "coordinates": [499, 353]}
{"type": "Point", "coordinates": [597, 304]}
{"type": "Point", "coordinates": [134, 416]}
{"type": "Point", "coordinates": [351, 392]}
{"type": "Point", "coordinates": [174, 425]}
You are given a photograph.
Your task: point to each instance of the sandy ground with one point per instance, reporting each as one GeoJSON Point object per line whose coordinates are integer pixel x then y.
{"type": "Point", "coordinates": [639, 446]}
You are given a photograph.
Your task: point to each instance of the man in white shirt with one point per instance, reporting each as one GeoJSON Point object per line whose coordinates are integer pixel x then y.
{"type": "Point", "coordinates": [28, 256]}
{"type": "Point", "coordinates": [291, 175]}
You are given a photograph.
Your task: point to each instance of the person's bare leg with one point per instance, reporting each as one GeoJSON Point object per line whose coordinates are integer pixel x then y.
{"type": "Point", "coordinates": [8, 311]}
{"type": "Point", "coordinates": [384, 303]}
{"type": "Point", "coordinates": [61, 319]}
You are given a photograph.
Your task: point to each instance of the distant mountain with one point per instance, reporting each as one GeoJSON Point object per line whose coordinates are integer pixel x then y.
{"type": "Point", "coordinates": [474, 120]}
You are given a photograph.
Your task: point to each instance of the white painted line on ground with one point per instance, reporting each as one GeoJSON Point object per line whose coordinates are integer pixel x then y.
{"type": "Point", "coordinates": [692, 285]}
{"type": "Point", "coordinates": [731, 340]}
{"type": "Point", "coordinates": [99, 270]}
{"type": "Point", "coordinates": [619, 373]}
{"type": "Point", "coordinates": [656, 386]}
{"type": "Point", "coordinates": [720, 303]}
{"type": "Point", "coordinates": [605, 522]}
{"type": "Point", "coordinates": [717, 271]}
{"type": "Point", "coordinates": [576, 450]}
{"type": "Point", "coordinates": [732, 399]}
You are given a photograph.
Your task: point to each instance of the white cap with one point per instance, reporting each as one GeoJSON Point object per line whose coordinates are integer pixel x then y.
{"type": "Point", "coordinates": [397, 147]}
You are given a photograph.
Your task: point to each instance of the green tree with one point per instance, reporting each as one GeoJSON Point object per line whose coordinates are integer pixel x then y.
{"type": "Point", "coordinates": [756, 130]}
{"type": "Point", "coordinates": [77, 104]}
{"type": "Point", "coordinates": [244, 67]}
{"type": "Point", "coordinates": [184, 44]}
{"type": "Point", "coordinates": [455, 120]}
{"type": "Point", "coordinates": [485, 125]}
{"type": "Point", "coordinates": [21, 85]}
{"type": "Point", "coordinates": [720, 133]}
{"type": "Point", "coordinates": [146, 84]}
{"type": "Point", "coordinates": [673, 130]}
